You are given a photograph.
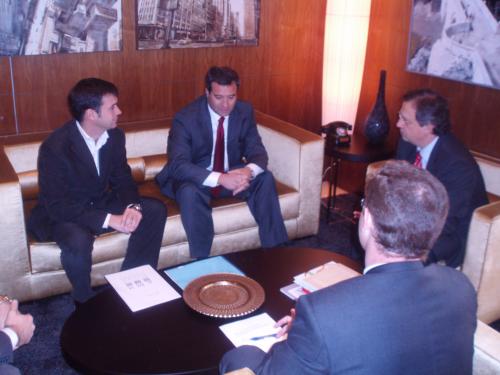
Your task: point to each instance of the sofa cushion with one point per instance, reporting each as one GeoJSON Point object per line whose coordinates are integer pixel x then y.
{"type": "Point", "coordinates": [229, 214]}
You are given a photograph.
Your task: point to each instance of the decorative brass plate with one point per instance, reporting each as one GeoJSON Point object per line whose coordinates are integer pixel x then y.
{"type": "Point", "coordinates": [224, 295]}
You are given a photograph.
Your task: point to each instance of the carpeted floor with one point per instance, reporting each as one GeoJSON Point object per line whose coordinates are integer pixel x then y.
{"type": "Point", "coordinates": [43, 355]}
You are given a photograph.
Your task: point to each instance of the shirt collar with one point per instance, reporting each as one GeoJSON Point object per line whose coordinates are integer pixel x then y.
{"type": "Point", "coordinates": [101, 141]}
{"type": "Point", "coordinates": [425, 152]}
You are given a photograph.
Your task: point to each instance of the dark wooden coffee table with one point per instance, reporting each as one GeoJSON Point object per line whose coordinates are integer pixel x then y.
{"type": "Point", "coordinates": [104, 337]}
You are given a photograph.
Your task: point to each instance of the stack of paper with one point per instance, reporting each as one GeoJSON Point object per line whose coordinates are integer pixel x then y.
{"type": "Point", "coordinates": [141, 287]}
{"type": "Point", "coordinates": [259, 330]}
{"type": "Point", "coordinates": [320, 277]}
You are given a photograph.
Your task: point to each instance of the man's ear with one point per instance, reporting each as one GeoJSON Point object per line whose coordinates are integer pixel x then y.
{"type": "Point", "coordinates": [206, 92]}
{"type": "Point", "coordinates": [429, 128]}
{"type": "Point", "coordinates": [90, 114]}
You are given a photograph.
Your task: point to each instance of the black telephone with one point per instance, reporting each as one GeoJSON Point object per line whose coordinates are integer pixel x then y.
{"type": "Point", "coordinates": [337, 132]}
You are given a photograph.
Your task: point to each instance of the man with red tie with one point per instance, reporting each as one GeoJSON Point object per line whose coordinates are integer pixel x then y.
{"type": "Point", "coordinates": [426, 141]}
{"type": "Point", "coordinates": [215, 151]}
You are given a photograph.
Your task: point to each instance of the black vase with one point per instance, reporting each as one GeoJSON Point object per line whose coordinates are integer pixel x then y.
{"type": "Point", "coordinates": [377, 124]}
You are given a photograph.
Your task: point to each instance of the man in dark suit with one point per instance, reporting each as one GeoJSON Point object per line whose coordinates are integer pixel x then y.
{"type": "Point", "coordinates": [426, 140]}
{"type": "Point", "coordinates": [214, 150]}
{"type": "Point", "coordinates": [399, 317]}
{"type": "Point", "coordinates": [16, 329]}
{"type": "Point", "coordinates": [86, 188]}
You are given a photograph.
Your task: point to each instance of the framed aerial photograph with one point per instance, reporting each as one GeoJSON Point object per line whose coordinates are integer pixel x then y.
{"type": "Point", "coordinates": [40, 27]}
{"type": "Point", "coordinates": [196, 23]}
{"type": "Point", "coordinates": [456, 39]}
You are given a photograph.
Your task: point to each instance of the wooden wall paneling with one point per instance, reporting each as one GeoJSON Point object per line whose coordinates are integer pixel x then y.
{"type": "Point", "coordinates": [282, 76]}
{"type": "Point", "coordinates": [7, 117]}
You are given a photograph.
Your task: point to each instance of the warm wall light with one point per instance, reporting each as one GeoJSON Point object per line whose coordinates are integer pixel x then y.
{"type": "Point", "coordinates": [346, 32]}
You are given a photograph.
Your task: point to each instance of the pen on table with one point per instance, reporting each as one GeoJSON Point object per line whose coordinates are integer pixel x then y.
{"type": "Point", "coordinates": [263, 337]}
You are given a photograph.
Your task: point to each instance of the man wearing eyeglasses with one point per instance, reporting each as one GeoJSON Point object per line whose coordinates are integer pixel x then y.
{"type": "Point", "coordinates": [400, 317]}
{"type": "Point", "coordinates": [426, 141]}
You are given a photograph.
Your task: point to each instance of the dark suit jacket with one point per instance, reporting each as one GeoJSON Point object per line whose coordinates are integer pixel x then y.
{"type": "Point", "coordinates": [190, 144]}
{"type": "Point", "coordinates": [70, 188]}
{"type": "Point", "coordinates": [452, 164]}
{"type": "Point", "coordinates": [5, 348]}
{"type": "Point", "coordinates": [399, 318]}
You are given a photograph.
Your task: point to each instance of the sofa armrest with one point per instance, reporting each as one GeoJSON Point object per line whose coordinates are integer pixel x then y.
{"type": "Point", "coordinates": [14, 244]}
{"type": "Point", "coordinates": [295, 159]}
{"type": "Point", "coordinates": [482, 260]}
{"type": "Point", "coordinates": [486, 350]}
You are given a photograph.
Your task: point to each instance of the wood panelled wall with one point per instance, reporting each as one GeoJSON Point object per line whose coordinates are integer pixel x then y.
{"type": "Point", "coordinates": [281, 77]}
{"type": "Point", "coordinates": [475, 110]}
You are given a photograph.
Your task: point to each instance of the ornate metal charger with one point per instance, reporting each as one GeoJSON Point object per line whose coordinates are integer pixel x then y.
{"type": "Point", "coordinates": [224, 295]}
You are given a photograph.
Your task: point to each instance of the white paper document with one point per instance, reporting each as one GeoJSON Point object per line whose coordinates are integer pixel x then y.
{"type": "Point", "coordinates": [141, 287]}
{"type": "Point", "coordinates": [258, 331]}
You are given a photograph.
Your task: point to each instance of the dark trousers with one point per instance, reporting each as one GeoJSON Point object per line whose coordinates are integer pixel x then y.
{"type": "Point", "coordinates": [196, 213]}
{"type": "Point", "coordinates": [243, 356]}
{"type": "Point", "coordinates": [77, 242]}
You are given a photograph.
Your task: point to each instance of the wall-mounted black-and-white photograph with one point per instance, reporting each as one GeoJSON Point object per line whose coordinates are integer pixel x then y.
{"type": "Point", "coordinates": [40, 27]}
{"type": "Point", "coordinates": [197, 23]}
{"type": "Point", "coordinates": [456, 39]}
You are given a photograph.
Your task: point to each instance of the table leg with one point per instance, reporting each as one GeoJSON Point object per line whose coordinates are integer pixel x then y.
{"type": "Point", "coordinates": [334, 166]}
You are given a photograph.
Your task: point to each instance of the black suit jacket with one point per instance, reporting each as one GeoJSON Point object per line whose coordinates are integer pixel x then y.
{"type": "Point", "coordinates": [452, 164]}
{"type": "Point", "coordinates": [399, 318]}
{"type": "Point", "coordinates": [190, 144]}
{"type": "Point", "coordinates": [70, 188]}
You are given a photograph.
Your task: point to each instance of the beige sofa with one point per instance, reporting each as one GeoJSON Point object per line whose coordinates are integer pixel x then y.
{"type": "Point", "coordinates": [30, 270]}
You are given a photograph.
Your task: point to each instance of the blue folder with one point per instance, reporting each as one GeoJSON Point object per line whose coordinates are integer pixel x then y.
{"type": "Point", "coordinates": [184, 274]}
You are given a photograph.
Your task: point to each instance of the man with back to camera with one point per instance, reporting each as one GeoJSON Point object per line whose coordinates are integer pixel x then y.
{"type": "Point", "coordinates": [399, 317]}
{"type": "Point", "coordinates": [16, 329]}
{"type": "Point", "coordinates": [215, 151]}
{"type": "Point", "coordinates": [86, 188]}
{"type": "Point", "coordinates": [426, 141]}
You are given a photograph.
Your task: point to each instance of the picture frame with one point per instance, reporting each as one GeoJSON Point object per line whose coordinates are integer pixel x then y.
{"type": "Point", "coordinates": [164, 24]}
{"type": "Point", "coordinates": [40, 27]}
{"type": "Point", "coordinates": [457, 40]}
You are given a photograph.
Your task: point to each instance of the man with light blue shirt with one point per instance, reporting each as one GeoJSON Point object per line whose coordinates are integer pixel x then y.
{"type": "Point", "coordinates": [214, 151]}
{"type": "Point", "coordinates": [426, 141]}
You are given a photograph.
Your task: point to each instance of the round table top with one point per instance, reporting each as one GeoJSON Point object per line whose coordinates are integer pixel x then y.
{"type": "Point", "coordinates": [103, 336]}
{"type": "Point", "coordinates": [359, 150]}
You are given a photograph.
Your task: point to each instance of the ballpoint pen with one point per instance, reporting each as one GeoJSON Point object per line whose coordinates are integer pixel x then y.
{"type": "Point", "coordinates": [263, 337]}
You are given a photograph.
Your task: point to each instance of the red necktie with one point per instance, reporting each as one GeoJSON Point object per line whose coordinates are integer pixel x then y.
{"type": "Point", "coordinates": [418, 160]}
{"type": "Point", "coordinates": [219, 154]}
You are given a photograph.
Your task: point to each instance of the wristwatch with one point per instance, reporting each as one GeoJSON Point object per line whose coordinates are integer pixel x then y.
{"type": "Point", "coordinates": [135, 206]}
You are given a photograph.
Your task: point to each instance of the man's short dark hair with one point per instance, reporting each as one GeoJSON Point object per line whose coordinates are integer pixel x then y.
{"type": "Point", "coordinates": [409, 207]}
{"type": "Point", "coordinates": [431, 108]}
{"type": "Point", "coordinates": [87, 94]}
{"type": "Point", "coordinates": [223, 75]}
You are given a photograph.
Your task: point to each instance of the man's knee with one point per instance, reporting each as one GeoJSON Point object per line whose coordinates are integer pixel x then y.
{"type": "Point", "coordinates": [73, 237]}
{"type": "Point", "coordinates": [154, 208]}
{"type": "Point", "coordinates": [188, 194]}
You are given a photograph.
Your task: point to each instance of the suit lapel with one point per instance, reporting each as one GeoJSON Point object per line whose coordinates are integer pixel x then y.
{"type": "Point", "coordinates": [434, 157]}
{"type": "Point", "coordinates": [80, 150]}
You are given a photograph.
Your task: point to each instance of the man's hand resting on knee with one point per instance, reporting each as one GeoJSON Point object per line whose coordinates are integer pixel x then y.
{"type": "Point", "coordinates": [126, 222]}
{"type": "Point", "coordinates": [236, 180]}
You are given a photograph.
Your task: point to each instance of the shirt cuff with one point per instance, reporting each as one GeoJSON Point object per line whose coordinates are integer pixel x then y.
{"type": "Point", "coordinates": [256, 170]}
{"type": "Point", "coordinates": [212, 179]}
{"type": "Point", "coordinates": [106, 221]}
{"type": "Point", "coordinates": [14, 339]}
